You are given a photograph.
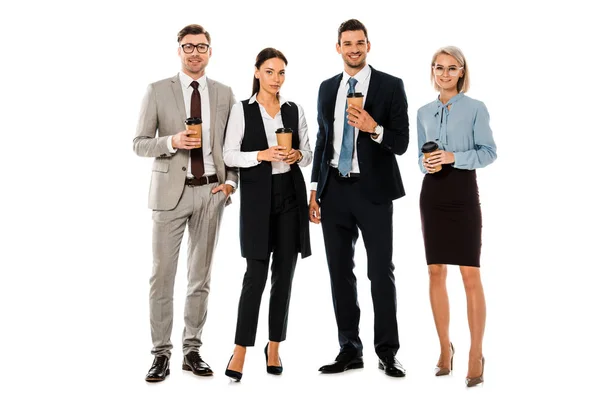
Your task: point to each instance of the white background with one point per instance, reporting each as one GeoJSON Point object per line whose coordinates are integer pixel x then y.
{"type": "Point", "coordinates": [76, 248]}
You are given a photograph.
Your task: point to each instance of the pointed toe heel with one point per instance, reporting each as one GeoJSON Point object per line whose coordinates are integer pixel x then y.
{"type": "Point", "coordinates": [235, 375]}
{"type": "Point", "coordinates": [442, 371]}
{"type": "Point", "coordinates": [273, 370]}
{"type": "Point", "coordinates": [478, 379]}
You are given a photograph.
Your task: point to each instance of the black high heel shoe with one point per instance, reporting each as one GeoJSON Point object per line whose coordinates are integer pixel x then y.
{"type": "Point", "coordinates": [235, 375]}
{"type": "Point", "coordinates": [270, 368]}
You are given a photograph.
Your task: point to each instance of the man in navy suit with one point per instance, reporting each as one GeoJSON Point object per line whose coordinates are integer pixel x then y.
{"type": "Point", "coordinates": [355, 177]}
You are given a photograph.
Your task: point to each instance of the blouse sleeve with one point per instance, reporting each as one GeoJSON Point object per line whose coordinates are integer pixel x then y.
{"type": "Point", "coordinates": [232, 155]}
{"type": "Point", "coordinates": [484, 152]}
{"type": "Point", "coordinates": [304, 143]}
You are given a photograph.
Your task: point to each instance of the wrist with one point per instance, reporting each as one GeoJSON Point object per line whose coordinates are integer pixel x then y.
{"type": "Point", "coordinates": [378, 130]}
{"type": "Point", "coordinates": [301, 157]}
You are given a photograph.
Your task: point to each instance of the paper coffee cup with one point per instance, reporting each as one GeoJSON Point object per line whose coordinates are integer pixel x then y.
{"type": "Point", "coordinates": [356, 99]}
{"type": "Point", "coordinates": [284, 138]}
{"type": "Point", "coordinates": [195, 124]}
{"type": "Point", "coordinates": [429, 148]}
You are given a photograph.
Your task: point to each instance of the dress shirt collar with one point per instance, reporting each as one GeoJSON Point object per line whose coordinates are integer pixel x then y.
{"type": "Point", "coordinates": [282, 100]}
{"type": "Point", "coordinates": [186, 80]}
{"type": "Point", "coordinates": [361, 76]}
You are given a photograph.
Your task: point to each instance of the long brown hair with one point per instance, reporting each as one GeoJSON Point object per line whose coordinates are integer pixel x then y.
{"type": "Point", "coordinates": [264, 55]}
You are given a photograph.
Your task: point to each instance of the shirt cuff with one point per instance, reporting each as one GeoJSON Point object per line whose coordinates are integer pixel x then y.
{"type": "Point", "coordinates": [313, 185]}
{"type": "Point", "coordinates": [170, 145]}
{"type": "Point", "coordinates": [251, 158]}
{"type": "Point", "coordinates": [379, 138]}
{"type": "Point", "coordinates": [232, 183]}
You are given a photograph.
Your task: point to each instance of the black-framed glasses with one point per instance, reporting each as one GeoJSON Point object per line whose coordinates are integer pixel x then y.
{"type": "Point", "coordinates": [453, 70]}
{"type": "Point", "coordinates": [188, 48]}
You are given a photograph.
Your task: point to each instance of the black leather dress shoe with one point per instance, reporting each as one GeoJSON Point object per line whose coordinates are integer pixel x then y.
{"type": "Point", "coordinates": [343, 362]}
{"type": "Point", "coordinates": [193, 362]}
{"type": "Point", "coordinates": [159, 369]}
{"type": "Point", "coordinates": [392, 367]}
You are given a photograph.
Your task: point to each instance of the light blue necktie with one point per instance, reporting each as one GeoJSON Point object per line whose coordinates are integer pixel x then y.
{"type": "Point", "coordinates": [345, 162]}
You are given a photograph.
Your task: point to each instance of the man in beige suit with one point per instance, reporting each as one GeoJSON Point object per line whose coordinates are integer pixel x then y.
{"type": "Point", "coordinates": [190, 186]}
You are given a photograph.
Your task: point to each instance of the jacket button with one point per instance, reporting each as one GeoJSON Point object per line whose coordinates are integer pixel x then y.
{"type": "Point", "coordinates": [183, 168]}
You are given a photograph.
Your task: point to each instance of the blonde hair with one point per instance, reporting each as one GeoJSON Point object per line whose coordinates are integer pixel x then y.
{"type": "Point", "coordinates": [463, 82]}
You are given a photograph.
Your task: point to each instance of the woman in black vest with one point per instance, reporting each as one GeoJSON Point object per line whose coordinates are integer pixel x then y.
{"type": "Point", "coordinates": [273, 208]}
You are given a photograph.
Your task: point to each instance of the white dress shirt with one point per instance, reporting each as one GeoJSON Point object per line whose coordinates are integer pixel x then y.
{"type": "Point", "coordinates": [187, 89]}
{"type": "Point", "coordinates": [234, 157]}
{"type": "Point", "coordinates": [363, 78]}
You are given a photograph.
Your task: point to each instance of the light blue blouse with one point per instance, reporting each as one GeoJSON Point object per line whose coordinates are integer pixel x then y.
{"type": "Point", "coordinates": [463, 130]}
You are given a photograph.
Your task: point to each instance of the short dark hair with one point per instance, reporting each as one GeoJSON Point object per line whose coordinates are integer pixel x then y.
{"type": "Point", "coordinates": [264, 55]}
{"type": "Point", "coordinates": [351, 25]}
{"type": "Point", "coordinates": [193, 29]}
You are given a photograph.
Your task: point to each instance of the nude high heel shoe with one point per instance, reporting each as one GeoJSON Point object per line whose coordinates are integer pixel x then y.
{"type": "Point", "coordinates": [478, 379]}
{"type": "Point", "coordinates": [441, 371]}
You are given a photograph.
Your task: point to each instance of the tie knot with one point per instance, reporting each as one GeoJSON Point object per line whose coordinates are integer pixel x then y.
{"type": "Point", "coordinates": [195, 85]}
{"type": "Point", "coordinates": [352, 82]}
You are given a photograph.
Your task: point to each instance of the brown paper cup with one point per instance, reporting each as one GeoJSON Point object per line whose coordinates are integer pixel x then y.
{"type": "Point", "coordinates": [284, 138]}
{"type": "Point", "coordinates": [194, 124]}
{"type": "Point", "coordinates": [356, 101]}
{"type": "Point", "coordinates": [436, 169]}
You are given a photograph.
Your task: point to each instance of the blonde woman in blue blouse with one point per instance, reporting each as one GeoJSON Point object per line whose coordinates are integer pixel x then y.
{"type": "Point", "coordinates": [449, 203]}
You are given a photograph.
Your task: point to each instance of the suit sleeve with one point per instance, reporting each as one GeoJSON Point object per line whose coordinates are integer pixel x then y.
{"type": "Point", "coordinates": [395, 138]}
{"type": "Point", "coordinates": [320, 143]}
{"type": "Point", "coordinates": [421, 137]}
{"type": "Point", "coordinates": [232, 172]}
{"type": "Point", "coordinates": [145, 142]}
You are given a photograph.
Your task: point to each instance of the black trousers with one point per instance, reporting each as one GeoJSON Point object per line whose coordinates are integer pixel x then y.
{"type": "Point", "coordinates": [284, 245]}
{"type": "Point", "coordinates": [345, 210]}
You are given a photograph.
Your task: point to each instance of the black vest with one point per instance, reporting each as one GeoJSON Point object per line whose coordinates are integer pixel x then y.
{"type": "Point", "coordinates": [255, 185]}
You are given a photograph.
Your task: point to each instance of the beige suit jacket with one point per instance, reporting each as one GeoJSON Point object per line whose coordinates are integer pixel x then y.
{"type": "Point", "coordinates": [163, 111]}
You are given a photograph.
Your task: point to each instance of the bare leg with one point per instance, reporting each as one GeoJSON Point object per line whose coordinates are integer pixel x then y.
{"type": "Point", "coordinates": [440, 306]}
{"type": "Point", "coordinates": [273, 352]}
{"type": "Point", "coordinates": [239, 357]}
{"type": "Point", "coordinates": [476, 315]}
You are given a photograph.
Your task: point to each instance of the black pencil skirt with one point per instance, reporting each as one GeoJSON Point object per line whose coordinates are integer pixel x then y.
{"type": "Point", "coordinates": [451, 217]}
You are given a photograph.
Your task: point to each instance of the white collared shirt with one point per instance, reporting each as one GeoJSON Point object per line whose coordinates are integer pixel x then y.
{"type": "Point", "coordinates": [187, 89]}
{"type": "Point", "coordinates": [234, 157]}
{"type": "Point", "coordinates": [363, 78]}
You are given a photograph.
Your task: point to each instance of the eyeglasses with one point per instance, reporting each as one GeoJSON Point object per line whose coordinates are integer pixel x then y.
{"type": "Point", "coordinates": [188, 48]}
{"type": "Point", "coordinates": [453, 70]}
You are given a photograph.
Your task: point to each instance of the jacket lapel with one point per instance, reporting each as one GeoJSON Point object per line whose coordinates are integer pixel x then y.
{"type": "Point", "coordinates": [214, 101]}
{"type": "Point", "coordinates": [373, 91]}
{"type": "Point", "coordinates": [330, 102]}
{"type": "Point", "coordinates": [178, 94]}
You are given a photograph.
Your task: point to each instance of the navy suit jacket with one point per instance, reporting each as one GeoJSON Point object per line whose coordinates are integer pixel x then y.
{"type": "Point", "coordinates": [380, 179]}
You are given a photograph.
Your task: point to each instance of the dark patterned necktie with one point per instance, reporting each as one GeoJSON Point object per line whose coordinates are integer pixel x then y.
{"type": "Point", "coordinates": [196, 154]}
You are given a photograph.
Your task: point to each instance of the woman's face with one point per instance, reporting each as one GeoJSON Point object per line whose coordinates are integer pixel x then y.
{"type": "Point", "coordinates": [271, 75]}
{"type": "Point", "coordinates": [449, 70]}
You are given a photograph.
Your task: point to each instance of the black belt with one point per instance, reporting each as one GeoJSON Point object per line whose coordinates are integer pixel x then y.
{"type": "Point", "coordinates": [338, 174]}
{"type": "Point", "coordinates": [203, 180]}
